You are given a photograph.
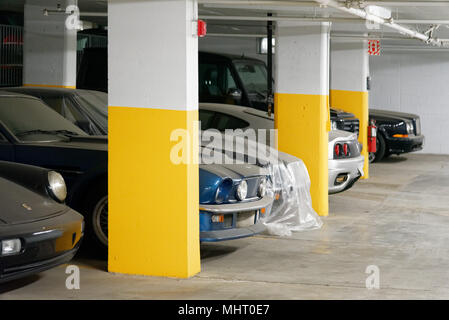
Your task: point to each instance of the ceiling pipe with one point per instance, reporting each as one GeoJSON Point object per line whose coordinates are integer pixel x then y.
{"type": "Point", "coordinates": [278, 18]}
{"type": "Point", "coordinates": [316, 19]}
{"type": "Point", "coordinates": [386, 22]}
{"type": "Point", "coordinates": [234, 3]}
{"type": "Point", "coordinates": [333, 36]}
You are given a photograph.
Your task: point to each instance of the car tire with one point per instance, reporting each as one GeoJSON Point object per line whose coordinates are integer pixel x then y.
{"type": "Point", "coordinates": [380, 149]}
{"type": "Point", "coordinates": [97, 216]}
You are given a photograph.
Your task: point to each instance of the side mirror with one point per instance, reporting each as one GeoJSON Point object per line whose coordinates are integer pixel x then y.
{"type": "Point", "coordinates": [236, 95]}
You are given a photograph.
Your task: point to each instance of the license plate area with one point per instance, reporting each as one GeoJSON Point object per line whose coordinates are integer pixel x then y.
{"type": "Point", "coordinates": [246, 219]}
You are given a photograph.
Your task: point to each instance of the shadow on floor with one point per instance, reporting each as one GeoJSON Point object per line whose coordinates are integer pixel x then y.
{"type": "Point", "coordinates": [213, 251]}
{"type": "Point", "coordinates": [19, 283]}
{"type": "Point", "coordinates": [393, 159]}
{"type": "Point", "coordinates": [99, 260]}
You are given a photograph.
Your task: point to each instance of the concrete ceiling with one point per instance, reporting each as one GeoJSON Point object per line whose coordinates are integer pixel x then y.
{"type": "Point", "coordinates": [401, 9]}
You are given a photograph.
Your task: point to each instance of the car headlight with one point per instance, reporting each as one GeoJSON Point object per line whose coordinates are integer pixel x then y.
{"type": "Point", "coordinates": [334, 125]}
{"type": "Point", "coordinates": [223, 191]}
{"type": "Point", "coordinates": [263, 186]}
{"type": "Point", "coordinates": [409, 126]}
{"type": "Point", "coordinates": [242, 190]}
{"type": "Point", "coordinates": [56, 186]}
{"type": "Point", "coordinates": [10, 247]}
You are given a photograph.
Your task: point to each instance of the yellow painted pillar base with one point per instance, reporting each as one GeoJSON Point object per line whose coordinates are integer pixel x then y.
{"type": "Point", "coordinates": [355, 102]}
{"type": "Point", "coordinates": [153, 203]}
{"type": "Point", "coordinates": [302, 121]}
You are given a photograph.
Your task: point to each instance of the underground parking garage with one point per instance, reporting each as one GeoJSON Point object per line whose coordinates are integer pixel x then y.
{"type": "Point", "coordinates": [248, 150]}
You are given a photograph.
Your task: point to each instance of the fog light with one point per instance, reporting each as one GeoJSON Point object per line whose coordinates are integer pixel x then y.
{"type": "Point", "coordinates": [341, 178]}
{"type": "Point", "coordinates": [217, 218]}
{"type": "Point", "coordinates": [262, 211]}
{"type": "Point", "coordinates": [12, 246]}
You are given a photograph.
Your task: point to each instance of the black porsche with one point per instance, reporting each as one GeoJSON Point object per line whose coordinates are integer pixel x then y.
{"type": "Point", "coordinates": [32, 133]}
{"type": "Point", "coordinates": [37, 231]}
{"type": "Point", "coordinates": [397, 132]}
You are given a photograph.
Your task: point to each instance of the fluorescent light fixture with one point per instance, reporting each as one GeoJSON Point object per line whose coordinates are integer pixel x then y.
{"type": "Point", "coordinates": [262, 47]}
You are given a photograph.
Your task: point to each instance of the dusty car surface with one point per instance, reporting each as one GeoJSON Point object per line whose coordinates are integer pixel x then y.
{"type": "Point", "coordinates": [397, 132]}
{"type": "Point", "coordinates": [345, 160]}
{"type": "Point", "coordinates": [87, 109]}
{"type": "Point", "coordinates": [44, 138]}
{"type": "Point", "coordinates": [37, 231]}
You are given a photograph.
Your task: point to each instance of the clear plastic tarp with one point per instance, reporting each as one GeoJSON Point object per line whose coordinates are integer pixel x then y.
{"type": "Point", "coordinates": [290, 182]}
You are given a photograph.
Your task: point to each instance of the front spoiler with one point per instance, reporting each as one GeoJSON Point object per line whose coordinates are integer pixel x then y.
{"type": "Point", "coordinates": [405, 145]}
{"type": "Point", "coordinates": [231, 234]}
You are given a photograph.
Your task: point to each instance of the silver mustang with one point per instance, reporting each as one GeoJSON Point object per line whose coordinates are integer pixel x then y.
{"type": "Point", "coordinates": [345, 161]}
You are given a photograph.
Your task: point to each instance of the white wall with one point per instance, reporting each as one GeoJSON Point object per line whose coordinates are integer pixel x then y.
{"type": "Point", "coordinates": [415, 82]}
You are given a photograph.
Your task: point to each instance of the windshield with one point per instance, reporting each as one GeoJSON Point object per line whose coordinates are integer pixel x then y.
{"type": "Point", "coordinates": [25, 116]}
{"type": "Point", "coordinates": [96, 99]}
{"type": "Point", "coordinates": [253, 75]}
{"type": "Point", "coordinates": [95, 105]}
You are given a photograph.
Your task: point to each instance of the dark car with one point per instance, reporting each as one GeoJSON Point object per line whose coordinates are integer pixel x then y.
{"type": "Point", "coordinates": [93, 70]}
{"type": "Point", "coordinates": [230, 79]}
{"type": "Point", "coordinates": [226, 79]}
{"type": "Point", "coordinates": [397, 133]}
{"type": "Point", "coordinates": [32, 133]}
{"type": "Point", "coordinates": [37, 231]}
{"type": "Point", "coordinates": [87, 109]}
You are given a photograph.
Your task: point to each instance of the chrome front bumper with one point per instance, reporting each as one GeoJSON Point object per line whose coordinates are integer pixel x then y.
{"type": "Point", "coordinates": [352, 167]}
{"type": "Point", "coordinates": [210, 233]}
{"type": "Point", "coordinates": [237, 207]}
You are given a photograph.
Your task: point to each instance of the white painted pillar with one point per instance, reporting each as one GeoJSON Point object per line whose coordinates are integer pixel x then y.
{"type": "Point", "coordinates": [153, 92]}
{"type": "Point", "coordinates": [349, 72]}
{"type": "Point", "coordinates": [49, 47]}
{"type": "Point", "coordinates": [301, 100]}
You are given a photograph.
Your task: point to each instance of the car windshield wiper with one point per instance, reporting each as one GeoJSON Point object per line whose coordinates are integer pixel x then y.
{"type": "Point", "coordinates": [53, 132]}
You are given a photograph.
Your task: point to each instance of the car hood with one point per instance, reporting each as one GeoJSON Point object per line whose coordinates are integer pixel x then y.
{"type": "Point", "coordinates": [21, 205]}
{"type": "Point", "coordinates": [392, 114]}
{"type": "Point", "coordinates": [233, 171]}
{"type": "Point", "coordinates": [99, 143]}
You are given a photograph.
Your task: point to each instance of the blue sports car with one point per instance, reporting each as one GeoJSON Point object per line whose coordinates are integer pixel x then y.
{"type": "Point", "coordinates": [233, 198]}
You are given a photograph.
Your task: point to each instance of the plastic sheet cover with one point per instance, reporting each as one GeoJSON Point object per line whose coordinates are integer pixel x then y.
{"type": "Point", "coordinates": [293, 210]}
{"type": "Point", "coordinates": [289, 186]}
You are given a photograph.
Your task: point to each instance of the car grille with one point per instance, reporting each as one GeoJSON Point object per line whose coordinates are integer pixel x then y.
{"type": "Point", "coordinates": [253, 185]}
{"type": "Point", "coordinates": [417, 125]}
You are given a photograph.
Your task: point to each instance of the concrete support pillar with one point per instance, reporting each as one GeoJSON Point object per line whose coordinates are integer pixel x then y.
{"type": "Point", "coordinates": [301, 100]}
{"type": "Point", "coordinates": [49, 47]}
{"type": "Point", "coordinates": [349, 72]}
{"type": "Point", "coordinates": [153, 101]}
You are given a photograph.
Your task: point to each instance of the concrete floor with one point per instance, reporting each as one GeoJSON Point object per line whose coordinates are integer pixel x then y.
{"type": "Point", "coordinates": [397, 220]}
